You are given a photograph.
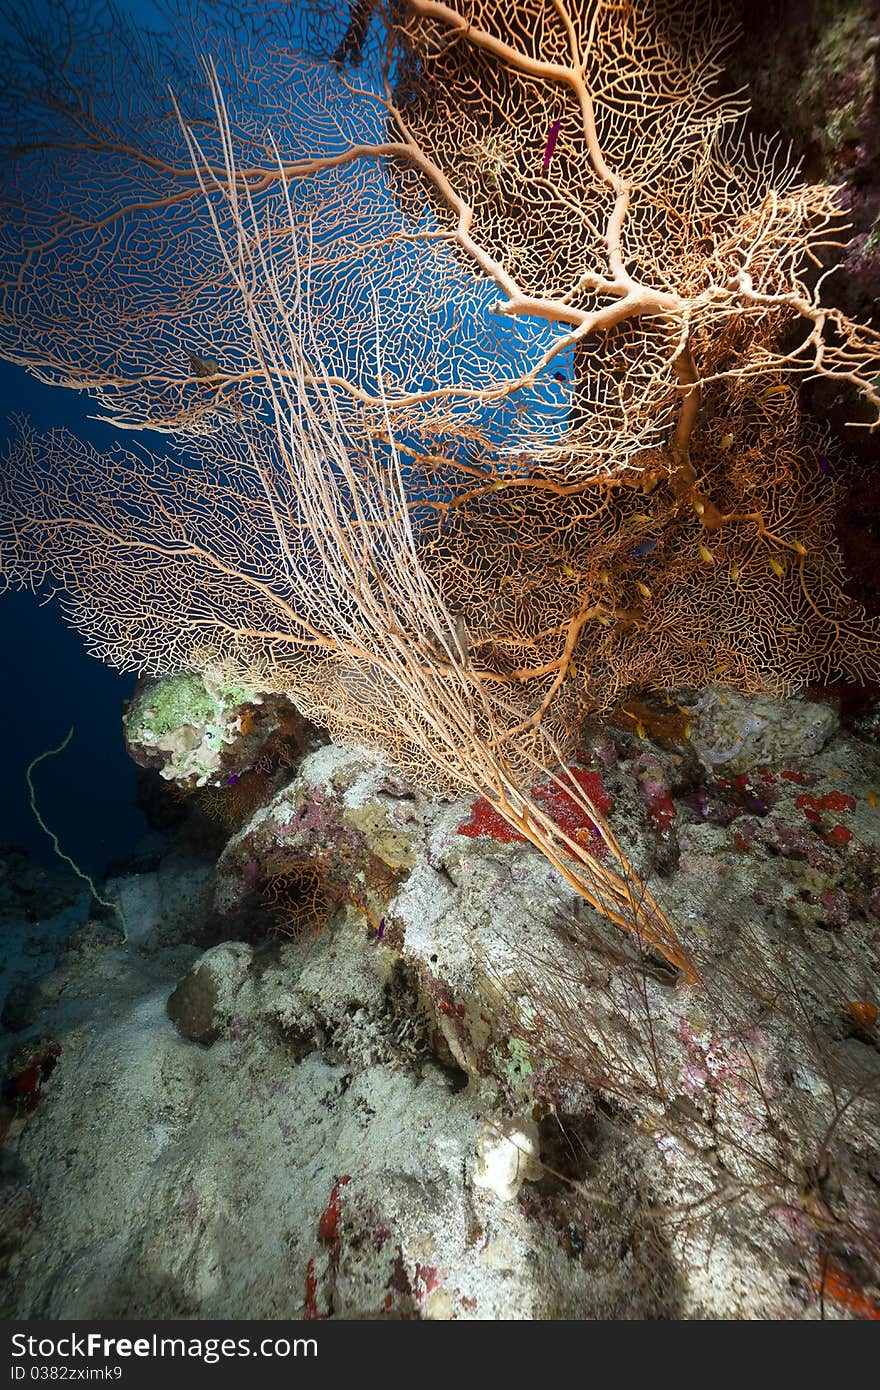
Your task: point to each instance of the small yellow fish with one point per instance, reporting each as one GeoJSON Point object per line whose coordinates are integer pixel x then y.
{"type": "Point", "coordinates": [706, 554]}
{"type": "Point", "coordinates": [567, 572]}
{"type": "Point", "coordinates": [776, 566]}
{"type": "Point", "coordinates": [636, 719]}
{"type": "Point", "coordinates": [640, 516]}
{"type": "Point", "coordinates": [604, 577]}
{"type": "Point", "coordinates": [774, 391]}
{"type": "Point", "coordinates": [801, 549]}
{"type": "Point", "coordinates": [699, 507]}
{"type": "Point", "coordinates": [726, 441]}
{"type": "Point", "coordinates": [601, 618]}
{"type": "Point", "coordinates": [572, 670]}
{"type": "Point", "coordinates": [735, 572]}
{"type": "Point", "coordinates": [643, 589]}
{"type": "Point", "coordinates": [871, 797]}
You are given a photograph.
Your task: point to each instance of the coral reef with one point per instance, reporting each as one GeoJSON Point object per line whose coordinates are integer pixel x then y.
{"type": "Point", "coordinates": [465, 606]}
{"type": "Point", "coordinates": [467, 1097]}
{"type": "Point", "coordinates": [520, 439]}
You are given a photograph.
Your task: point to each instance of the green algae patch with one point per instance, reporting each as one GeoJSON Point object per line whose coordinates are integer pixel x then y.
{"type": "Point", "coordinates": [171, 703]}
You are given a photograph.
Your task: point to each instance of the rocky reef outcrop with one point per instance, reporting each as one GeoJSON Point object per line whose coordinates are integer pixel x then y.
{"type": "Point", "coordinates": [379, 1061]}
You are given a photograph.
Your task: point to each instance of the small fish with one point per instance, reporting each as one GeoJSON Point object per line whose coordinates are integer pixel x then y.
{"type": "Point", "coordinates": [461, 637]}
{"type": "Point", "coordinates": [643, 589]}
{"type": "Point", "coordinates": [572, 671]}
{"type": "Point", "coordinates": [204, 366]}
{"type": "Point", "coordinates": [706, 554]}
{"type": "Point", "coordinates": [455, 650]}
{"type": "Point", "coordinates": [726, 441]}
{"type": "Point", "coordinates": [636, 719]}
{"type": "Point", "coordinates": [769, 391]}
{"type": "Point", "coordinates": [231, 779]}
{"type": "Point", "coordinates": [350, 50]}
{"type": "Point", "coordinates": [801, 549]}
{"type": "Point", "coordinates": [604, 577]}
{"type": "Point", "coordinates": [871, 797]}
{"type": "Point", "coordinates": [381, 930]}
{"type": "Point", "coordinates": [560, 376]}
{"type": "Point", "coordinates": [735, 572]}
{"type": "Point", "coordinates": [644, 547]}
{"type": "Point", "coordinates": [550, 146]}
{"type": "Point", "coordinates": [567, 571]}
{"type": "Point", "coordinates": [824, 465]}
{"type": "Point", "coordinates": [777, 567]}
{"type": "Point", "coordinates": [641, 517]}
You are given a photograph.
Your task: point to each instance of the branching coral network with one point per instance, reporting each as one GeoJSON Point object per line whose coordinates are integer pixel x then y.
{"type": "Point", "coordinates": [477, 329]}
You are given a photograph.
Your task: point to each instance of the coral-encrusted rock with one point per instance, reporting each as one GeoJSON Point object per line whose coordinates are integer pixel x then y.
{"type": "Point", "coordinates": [732, 733]}
{"type": "Point", "coordinates": [337, 814]}
{"type": "Point", "coordinates": [199, 730]}
{"type": "Point", "coordinates": [19, 1214]}
{"type": "Point", "coordinates": [311, 1163]}
{"type": "Point", "coordinates": [359, 1118]}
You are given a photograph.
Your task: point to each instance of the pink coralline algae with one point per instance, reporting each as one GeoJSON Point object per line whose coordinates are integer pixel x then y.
{"type": "Point", "coordinates": [722, 1071]}
{"type": "Point", "coordinates": [655, 791]}
{"type": "Point", "coordinates": [837, 907]}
